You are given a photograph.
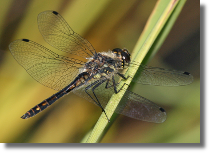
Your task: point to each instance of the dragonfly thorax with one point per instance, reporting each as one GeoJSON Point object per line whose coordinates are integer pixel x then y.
{"type": "Point", "coordinates": [105, 62]}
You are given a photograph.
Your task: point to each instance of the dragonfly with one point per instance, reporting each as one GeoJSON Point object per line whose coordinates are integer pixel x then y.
{"type": "Point", "coordinates": [91, 75]}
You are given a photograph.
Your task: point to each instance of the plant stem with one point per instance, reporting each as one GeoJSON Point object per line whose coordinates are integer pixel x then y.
{"type": "Point", "coordinates": [155, 24]}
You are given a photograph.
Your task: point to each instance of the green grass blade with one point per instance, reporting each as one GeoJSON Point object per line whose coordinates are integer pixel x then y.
{"type": "Point", "coordinates": [155, 25]}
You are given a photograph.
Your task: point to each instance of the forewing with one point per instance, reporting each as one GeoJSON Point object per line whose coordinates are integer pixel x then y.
{"type": "Point", "coordinates": [162, 77]}
{"type": "Point", "coordinates": [59, 34]}
{"type": "Point", "coordinates": [48, 68]}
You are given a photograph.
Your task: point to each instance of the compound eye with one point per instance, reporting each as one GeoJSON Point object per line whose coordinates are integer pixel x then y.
{"type": "Point", "coordinates": [117, 51]}
{"type": "Point", "coordinates": [126, 51]}
{"type": "Point", "coordinates": [122, 53]}
{"type": "Point", "coordinates": [126, 55]}
{"type": "Point", "coordinates": [126, 58]}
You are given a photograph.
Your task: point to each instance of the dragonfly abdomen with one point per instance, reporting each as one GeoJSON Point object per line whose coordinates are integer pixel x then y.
{"type": "Point", "coordinates": [79, 80]}
{"type": "Point", "coordinates": [44, 104]}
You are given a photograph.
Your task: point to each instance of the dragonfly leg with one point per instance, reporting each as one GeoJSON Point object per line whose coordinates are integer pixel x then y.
{"type": "Point", "coordinates": [96, 84]}
{"type": "Point", "coordinates": [97, 98]}
{"type": "Point", "coordinates": [122, 76]}
{"type": "Point", "coordinates": [88, 87]}
{"type": "Point", "coordinates": [115, 84]}
{"type": "Point", "coordinates": [107, 85]}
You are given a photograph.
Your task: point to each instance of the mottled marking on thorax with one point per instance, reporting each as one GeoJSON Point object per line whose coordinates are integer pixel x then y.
{"type": "Point", "coordinates": [102, 64]}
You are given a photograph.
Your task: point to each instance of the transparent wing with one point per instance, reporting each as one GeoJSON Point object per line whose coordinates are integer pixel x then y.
{"type": "Point", "coordinates": [59, 34]}
{"type": "Point", "coordinates": [132, 105]}
{"type": "Point", "coordinates": [162, 77]}
{"type": "Point", "coordinates": [138, 107]}
{"type": "Point", "coordinates": [48, 68]}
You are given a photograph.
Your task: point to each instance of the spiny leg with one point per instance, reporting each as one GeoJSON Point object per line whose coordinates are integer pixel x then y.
{"type": "Point", "coordinates": [122, 76]}
{"type": "Point", "coordinates": [115, 84]}
{"type": "Point", "coordinates": [96, 83]}
{"type": "Point", "coordinates": [97, 98]}
{"type": "Point", "coordinates": [89, 94]}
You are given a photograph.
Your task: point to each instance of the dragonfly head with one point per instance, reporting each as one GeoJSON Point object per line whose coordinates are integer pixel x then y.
{"type": "Point", "coordinates": [123, 54]}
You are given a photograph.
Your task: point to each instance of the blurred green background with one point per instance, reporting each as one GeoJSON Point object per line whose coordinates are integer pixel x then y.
{"type": "Point", "coordinates": [106, 24]}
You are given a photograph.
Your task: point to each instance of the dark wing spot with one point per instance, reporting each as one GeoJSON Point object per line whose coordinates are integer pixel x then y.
{"type": "Point", "coordinates": [187, 73]}
{"type": "Point", "coordinates": [161, 109]}
{"type": "Point", "coordinates": [54, 12]}
{"type": "Point", "coordinates": [26, 40]}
